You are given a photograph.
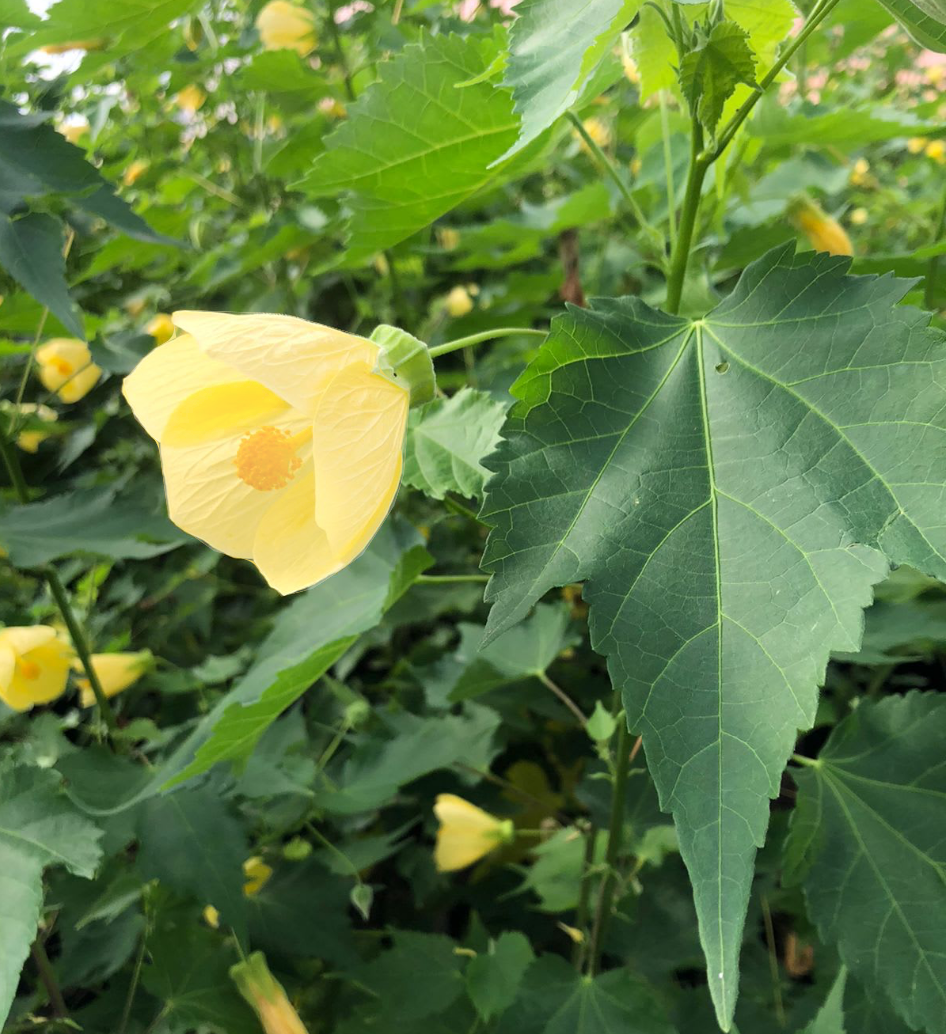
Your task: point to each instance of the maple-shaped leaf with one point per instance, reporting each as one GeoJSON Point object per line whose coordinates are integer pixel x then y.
{"type": "Point", "coordinates": [711, 71]}
{"type": "Point", "coordinates": [730, 489]}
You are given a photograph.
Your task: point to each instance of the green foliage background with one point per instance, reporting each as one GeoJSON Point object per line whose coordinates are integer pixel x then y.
{"type": "Point", "coordinates": [684, 507]}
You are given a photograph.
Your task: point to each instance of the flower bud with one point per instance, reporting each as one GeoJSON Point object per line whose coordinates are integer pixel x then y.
{"type": "Point", "coordinates": [287, 26]}
{"type": "Point", "coordinates": [459, 302]}
{"type": "Point", "coordinates": [823, 232]}
{"type": "Point", "coordinates": [266, 995]}
{"type": "Point", "coordinates": [161, 328]}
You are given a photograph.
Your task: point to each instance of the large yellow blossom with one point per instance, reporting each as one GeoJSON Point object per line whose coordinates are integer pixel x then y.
{"type": "Point", "coordinates": [265, 994]}
{"type": "Point", "coordinates": [466, 833]}
{"type": "Point", "coordinates": [287, 26]}
{"type": "Point", "coordinates": [280, 443]}
{"type": "Point", "coordinates": [34, 666]}
{"type": "Point", "coordinates": [116, 672]}
{"type": "Point", "coordinates": [66, 367]}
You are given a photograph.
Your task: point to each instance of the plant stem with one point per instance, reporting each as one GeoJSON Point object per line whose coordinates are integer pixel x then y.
{"type": "Point", "coordinates": [680, 258]}
{"type": "Point", "coordinates": [615, 836]}
{"type": "Point", "coordinates": [459, 509]}
{"type": "Point", "coordinates": [773, 962]}
{"type": "Point", "coordinates": [932, 271]}
{"type": "Point", "coordinates": [133, 986]}
{"type": "Point", "coordinates": [584, 895]}
{"type": "Point", "coordinates": [59, 593]}
{"type": "Point", "coordinates": [800, 759]}
{"type": "Point", "coordinates": [484, 335]}
{"type": "Point", "coordinates": [563, 696]}
{"type": "Point", "coordinates": [668, 167]}
{"type": "Point", "coordinates": [611, 170]}
{"type": "Point", "coordinates": [48, 977]}
{"type": "Point", "coordinates": [450, 579]}
{"type": "Point", "coordinates": [339, 50]}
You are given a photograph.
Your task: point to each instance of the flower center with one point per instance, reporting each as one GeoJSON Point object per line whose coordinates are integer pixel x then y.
{"type": "Point", "coordinates": [28, 669]}
{"type": "Point", "coordinates": [61, 367]}
{"type": "Point", "coordinates": [266, 459]}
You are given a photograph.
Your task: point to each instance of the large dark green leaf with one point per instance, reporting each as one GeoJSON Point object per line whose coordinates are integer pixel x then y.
{"type": "Point", "coordinates": [39, 827]}
{"type": "Point", "coordinates": [868, 838]}
{"type": "Point", "coordinates": [729, 488]}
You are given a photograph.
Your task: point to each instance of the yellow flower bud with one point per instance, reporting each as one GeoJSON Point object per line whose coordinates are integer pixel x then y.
{"type": "Point", "coordinates": [860, 172]}
{"type": "Point", "coordinates": [257, 874]}
{"type": "Point", "coordinates": [859, 216]}
{"type": "Point", "coordinates": [448, 238]}
{"type": "Point", "coordinates": [573, 932]}
{"type": "Point", "coordinates": [466, 833]}
{"type": "Point", "coordinates": [135, 306]}
{"type": "Point", "coordinates": [84, 44]}
{"type": "Point", "coordinates": [597, 130]}
{"type": "Point", "coordinates": [631, 71]}
{"type": "Point", "coordinates": [287, 26]}
{"type": "Point", "coordinates": [161, 328]}
{"type": "Point", "coordinates": [459, 302]}
{"type": "Point", "coordinates": [34, 666]}
{"type": "Point", "coordinates": [65, 367]}
{"type": "Point", "coordinates": [30, 439]}
{"type": "Point", "coordinates": [212, 917]}
{"type": "Point", "coordinates": [116, 672]}
{"type": "Point", "coordinates": [916, 144]}
{"type": "Point", "coordinates": [74, 131]}
{"type": "Point", "coordinates": [266, 995]}
{"type": "Point", "coordinates": [936, 149]}
{"type": "Point", "coordinates": [191, 98]}
{"type": "Point", "coordinates": [135, 171]}
{"type": "Point", "coordinates": [823, 232]}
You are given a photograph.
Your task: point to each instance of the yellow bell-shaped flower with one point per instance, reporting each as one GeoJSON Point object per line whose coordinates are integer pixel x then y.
{"type": "Point", "coordinates": [257, 874]}
{"type": "Point", "coordinates": [466, 833]}
{"type": "Point", "coordinates": [161, 328]}
{"type": "Point", "coordinates": [190, 98]}
{"type": "Point", "coordinates": [30, 438]}
{"type": "Point", "coordinates": [280, 443]}
{"type": "Point", "coordinates": [823, 232]}
{"type": "Point", "coordinates": [66, 367]}
{"type": "Point", "coordinates": [135, 171]}
{"type": "Point", "coordinates": [287, 26]}
{"type": "Point", "coordinates": [266, 995]}
{"type": "Point", "coordinates": [34, 666]}
{"type": "Point", "coordinates": [116, 672]}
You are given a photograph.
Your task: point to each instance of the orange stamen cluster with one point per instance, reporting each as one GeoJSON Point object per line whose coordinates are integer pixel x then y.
{"type": "Point", "coordinates": [266, 459]}
{"type": "Point", "coordinates": [28, 669]}
{"type": "Point", "coordinates": [61, 367]}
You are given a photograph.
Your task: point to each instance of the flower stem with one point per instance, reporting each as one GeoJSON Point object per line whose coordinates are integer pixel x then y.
{"type": "Point", "coordinates": [48, 977]}
{"type": "Point", "coordinates": [59, 593]}
{"type": "Point", "coordinates": [450, 579]}
{"type": "Point", "coordinates": [563, 696]}
{"type": "Point", "coordinates": [484, 335]}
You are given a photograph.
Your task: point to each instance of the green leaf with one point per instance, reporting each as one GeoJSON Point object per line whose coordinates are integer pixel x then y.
{"type": "Point", "coordinates": [191, 842]}
{"type": "Point", "coordinates": [872, 812]}
{"type": "Point", "coordinates": [830, 1018]}
{"type": "Point", "coordinates": [711, 71]}
{"type": "Point", "coordinates": [414, 146]}
{"type": "Point", "coordinates": [39, 827]}
{"type": "Point", "coordinates": [89, 521]}
{"type": "Point", "coordinates": [15, 14]}
{"type": "Point", "coordinates": [494, 976]}
{"type": "Point", "coordinates": [308, 638]}
{"type": "Point", "coordinates": [729, 488]}
{"type": "Point", "coordinates": [925, 20]}
{"type": "Point", "coordinates": [850, 128]}
{"type": "Point", "coordinates": [554, 46]}
{"type": "Point", "coordinates": [447, 440]}
{"type": "Point", "coordinates": [555, 999]}
{"type": "Point", "coordinates": [31, 252]}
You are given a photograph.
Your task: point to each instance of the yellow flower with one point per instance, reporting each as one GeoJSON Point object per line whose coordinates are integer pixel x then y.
{"type": "Point", "coordinates": [83, 44]}
{"type": "Point", "coordinates": [257, 874]}
{"type": "Point", "coordinates": [936, 149]}
{"type": "Point", "coordinates": [448, 238]}
{"type": "Point", "coordinates": [459, 302]}
{"type": "Point", "coordinates": [34, 666]}
{"type": "Point", "coordinates": [859, 174]}
{"type": "Point", "coordinates": [466, 833]}
{"type": "Point", "coordinates": [266, 995]}
{"type": "Point", "coordinates": [859, 216]}
{"type": "Point", "coordinates": [331, 107]}
{"type": "Point", "coordinates": [631, 71]}
{"type": "Point", "coordinates": [212, 917]}
{"type": "Point", "coordinates": [31, 439]}
{"type": "Point", "coordinates": [824, 233]}
{"type": "Point", "coordinates": [66, 367]}
{"type": "Point", "coordinates": [161, 328]}
{"type": "Point", "coordinates": [286, 26]}
{"type": "Point", "coordinates": [252, 412]}
{"type": "Point", "coordinates": [916, 144]}
{"type": "Point", "coordinates": [190, 98]}
{"type": "Point", "coordinates": [73, 131]}
{"type": "Point", "coordinates": [597, 130]}
{"type": "Point", "coordinates": [116, 671]}
{"type": "Point", "coordinates": [135, 171]}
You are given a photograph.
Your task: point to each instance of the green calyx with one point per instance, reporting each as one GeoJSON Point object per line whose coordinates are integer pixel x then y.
{"type": "Point", "coordinates": [405, 360]}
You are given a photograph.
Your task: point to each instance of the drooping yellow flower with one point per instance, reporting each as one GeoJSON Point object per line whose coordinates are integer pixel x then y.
{"type": "Point", "coordinates": [161, 328]}
{"type": "Point", "coordinates": [459, 302]}
{"type": "Point", "coordinates": [190, 98]}
{"type": "Point", "coordinates": [30, 439]}
{"type": "Point", "coordinates": [252, 412]}
{"type": "Point", "coordinates": [823, 232]}
{"type": "Point", "coordinates": [466, 833]}
{"type": "Point", "coordinates": [860, 173]}
{"type": "Point", "coordinates": [936, 149]}
{"type": "Point", "coordinates": [257, 874]}
{"type": "Point", "coordinates": [34, 666]}
{"type": "Point", "coordinates": [116, 672]}
{"type": "Point", "coordinates": [73, 131]}
{"type": "Point", "coordinates": [916, 144]}
{"type": "Point", "coordinates": [66, 367]}
{"type": "Point", "coordinates": [266, 995]}
{"type": "Point", "coordinates": [597, 130]}
{"type": "Point", "coordinates": [287, 26]}
{"type": "Point", "coordinates": [135, 171]}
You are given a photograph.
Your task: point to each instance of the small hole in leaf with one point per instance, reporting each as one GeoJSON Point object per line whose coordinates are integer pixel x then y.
{"type": "Point", "coordinates": [722, 367]}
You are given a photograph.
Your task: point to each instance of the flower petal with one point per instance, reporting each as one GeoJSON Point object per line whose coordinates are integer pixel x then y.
{"type": "Point", "coordinates": [165, 378]}
{"type": "Point", "coordinates": [7, 666]}
{"type": "Point", "coordinates": [24, 638]}
{"type": "Point", "coordinates": [292, 357]}
{"type": "Point", "coordinates": [358, 435]}
{"type": "Point", "coordinates": [222, 411]}
{"type": "Point", "coordinates": [290, 550]}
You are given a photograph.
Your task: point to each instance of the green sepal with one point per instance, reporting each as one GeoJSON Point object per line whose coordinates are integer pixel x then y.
{"type": "Point", "coordinates": [254, 980]}
{"type": "Point", "coordinates": [405, 360]}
